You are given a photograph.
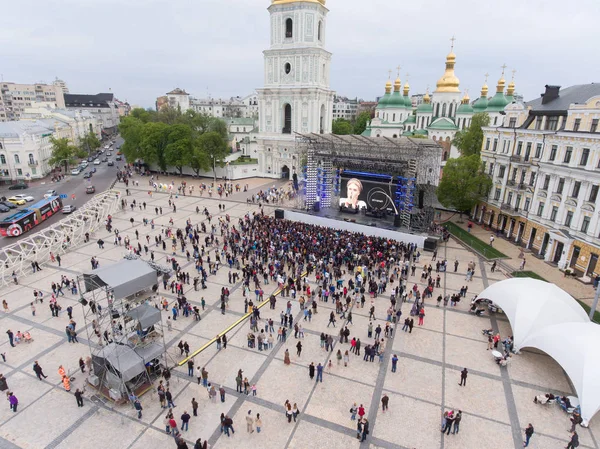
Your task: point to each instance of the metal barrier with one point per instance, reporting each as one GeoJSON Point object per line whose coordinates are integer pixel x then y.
{"type": "Point", "coordinates": [58, 238]}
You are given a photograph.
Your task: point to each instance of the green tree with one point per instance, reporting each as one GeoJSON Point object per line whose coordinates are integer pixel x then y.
{"type": "Point", "coordinates": [179, 147]}
{"type": "Point", "coordinates": [464, 183]}
{"type": "Point", "coordinates": [469, 141]}
{"type": "Point", "coordinates": [63, 152]}
{"type": "Point", "coordinates": [341, 126]}
{"type": "Point", "coordinates": [215, 148]}
{"type": "Point", "coordinates": [218, 126]}
{"type": "Point", "coordinates": [154, 141]}
{"type": "Point", "coordinates": [361, 122]}
{"type": "Point", "coordinates": [143, 115]}
{"type": "Point", "coordinates": [131, 130]}
{"type": "Point", "coordinates": [199, 160]}
{"type": "Point", "coordinates": [89, 143]}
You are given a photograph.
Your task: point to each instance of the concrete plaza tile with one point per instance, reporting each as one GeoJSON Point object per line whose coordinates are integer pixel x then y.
{"type": "Point", "coordinates": [312, 436]}
{"type": "Point", "coordinates": [274, 433]}
{"type": "Point", "coordinates": [469, 326]}
{"type": "Point", "coordinates": [471, 354]}
{"type": "Point", "coordinates": [421, 342]}
{"type": "Point", "coordinates": [282, 382]}
{"type": "Point", "coordinates": [23, 352]}
{"type": "Point", "coordinates": [417, 379]}
{"type": "Point", "coordinates": [548, 419]}
{"type": "Point", "coordinates": [25, 429]}
{"type": "Point", "coordinates": [476, 432]}
{"type": "Point", "coordinates": [214, 323]}
{"type": "Point", "coordinates": [223, 368]}
{"type": "Point", "coordinates": [409, 423]}
{"type": "Point", "coordinates": [333, 398]}
{"type": "Point", "coordinates": [27, 389]}
{"type": "Point", "coordinates": [538, 369]}
{"type": "Point", "coordinates": [116, 432]}
{"type": "Point", "coordinates": [152, 438]}
{"type": "Point", "coordinates": [481, 396]}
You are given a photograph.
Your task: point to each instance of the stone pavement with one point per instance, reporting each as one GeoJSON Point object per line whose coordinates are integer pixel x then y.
{"type": "Point", "coordinates": [552, 274]}
{"type": "Point", "coordinates": [497, 403]}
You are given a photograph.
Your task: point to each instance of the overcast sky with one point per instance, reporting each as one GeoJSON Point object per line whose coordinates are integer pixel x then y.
{"type": "Point", "coordinates": [141, 49]}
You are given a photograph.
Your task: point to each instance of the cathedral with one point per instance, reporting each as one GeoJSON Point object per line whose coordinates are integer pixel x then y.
{"type": "Point", "coordinates": [441, 114]}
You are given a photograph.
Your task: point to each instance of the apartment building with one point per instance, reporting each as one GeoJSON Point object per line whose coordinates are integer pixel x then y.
{"type": "Point", "coordinates": [544, 160]}
{"type": "Point", "coordinates": [14, 98]}
{"type": "Point", "coordinates": [234, 107]}
{"type": "Point", "coordinates": [102, 106]}
{"type": "Point", "coordinates": [345, 108]}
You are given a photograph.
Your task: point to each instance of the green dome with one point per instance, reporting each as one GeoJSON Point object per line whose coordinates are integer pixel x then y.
{"type": "Point", "coordinates": [425, 108]}
{"type": "Point", "coordinates": [383, 101]}
{"type": "Point", "coordinates": [498, 102]}
{"type": "Point", "coordinates": [395, 101]}
{"type": "Point", "coordinates": [407, 101]}
{"type": "Point", "coordinates": [411, 119]}
{"type": "Point", "coordinates": [464, 108]}
{"type": "Point", "coordinates": [422, 132]}
{"type": "Point", "coordinates": [480, 105]}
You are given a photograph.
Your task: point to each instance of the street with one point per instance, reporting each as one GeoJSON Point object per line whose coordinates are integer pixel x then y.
{"type": "Point", "coordinates": [70, 185]}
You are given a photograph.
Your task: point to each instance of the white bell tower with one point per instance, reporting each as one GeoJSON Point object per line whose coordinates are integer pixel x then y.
{"type": "Point", "coordinates": [296, 97]}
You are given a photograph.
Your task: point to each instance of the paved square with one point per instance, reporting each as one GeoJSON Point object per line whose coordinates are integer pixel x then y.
{"type": "Point", "coordinates": [497, 403]}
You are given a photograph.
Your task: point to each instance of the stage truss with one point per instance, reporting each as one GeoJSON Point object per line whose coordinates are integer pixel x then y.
{"type": "Point", "coordinates": [404, 156]}
{"type": "Point", "coordinates": [58, 238]}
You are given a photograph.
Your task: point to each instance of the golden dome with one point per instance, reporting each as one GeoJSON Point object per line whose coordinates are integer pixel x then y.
{"type": "Point", "coordinates": [484, 90]}
{"type": "Point", "coordinates": [448, 82]}
{"type": "Point", "coordinates": [283, 2]}
{"type": "Point", "coordinates": [406, 88]}
{"type": "Point", "coordinates": [388, 87]}
{"type": "Point", "coordinates": [511, 86]}
{"type": "Point", "coordinates": [426, 97]}
{"type": "Point", "coordinates": [397, 85]}
{"type": "Point", "coordinates": [466, 98]}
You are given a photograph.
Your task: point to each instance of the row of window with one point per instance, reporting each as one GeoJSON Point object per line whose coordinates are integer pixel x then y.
{"type": "Point", "coordinates": [585, 223]}
{"type": "Point", "coordinates": [527, 153]}
{"type": "Point", "coordinates": [17, 158]}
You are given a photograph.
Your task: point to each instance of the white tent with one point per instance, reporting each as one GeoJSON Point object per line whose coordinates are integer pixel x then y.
{"type": "Point", "coordinates": [531, 305]}
{"type": "Point", "coordinates": [575, 348]}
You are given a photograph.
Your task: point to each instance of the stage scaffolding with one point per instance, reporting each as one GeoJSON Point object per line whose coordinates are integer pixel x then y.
{"type": "Point", "coordinates": [407, 157]}
{"type": "Point", "coordinates": [125, 332]}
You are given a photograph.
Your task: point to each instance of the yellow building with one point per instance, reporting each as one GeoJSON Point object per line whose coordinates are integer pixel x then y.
{"type": "Point", "coordinates": [544, 160]}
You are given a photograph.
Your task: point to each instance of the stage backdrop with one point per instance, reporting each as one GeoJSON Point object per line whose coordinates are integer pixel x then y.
{"type": "Point", "coordinates": [372, 193]}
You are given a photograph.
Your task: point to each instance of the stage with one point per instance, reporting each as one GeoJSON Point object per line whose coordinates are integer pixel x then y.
{"type": "Point", "coordinates": [377, 227]}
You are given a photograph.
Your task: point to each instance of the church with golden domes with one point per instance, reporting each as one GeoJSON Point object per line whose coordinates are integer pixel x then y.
{"type": "Point", "coordinates": [441, 114]}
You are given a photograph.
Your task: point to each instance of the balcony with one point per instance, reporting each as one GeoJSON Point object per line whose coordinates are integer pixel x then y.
{"type": "Point", "coordinates": [506, 206]}
{"type": "Point", "coordinates": [511, 182]}
{"type": "Point", "coordinates": [515, 158]}
{"type": "Point", "coordinates": [32, 163]}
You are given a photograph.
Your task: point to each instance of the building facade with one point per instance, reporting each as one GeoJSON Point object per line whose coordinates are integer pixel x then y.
{"type": "Point", "coordinates": [296, 97]}
{"type": "Point", "coordinates": [79, 123]}
{"type": "Point", "coordinates": [14, 98]}
{"type": "Point", "coordinates": [345, 108]}
{"type": "Point", "coordinates": [234, 107]}
{"type": "Point", "coordinates": [102, 106]}
{"type": "Point", "coordinates": [544, 159]}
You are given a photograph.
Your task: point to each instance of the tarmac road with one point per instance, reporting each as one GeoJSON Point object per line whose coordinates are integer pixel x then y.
{"type": "Point", "coordinates": [71, 185]}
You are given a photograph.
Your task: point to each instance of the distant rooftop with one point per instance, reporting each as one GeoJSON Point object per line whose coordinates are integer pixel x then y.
{"type": "Point", "coordinates": [87, 100]}
{"type": "Point", "coordinates": [557, 99]}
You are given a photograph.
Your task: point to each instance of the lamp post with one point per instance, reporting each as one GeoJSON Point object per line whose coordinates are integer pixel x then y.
{"type": "Point", "coordinates": [214, 169]}
{"type": "Point", "coordinates": [595, 303]}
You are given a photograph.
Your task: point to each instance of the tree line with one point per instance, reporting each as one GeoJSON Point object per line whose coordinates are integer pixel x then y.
{"type": "Point", "coordinates": [170, 138]}
{"type": "Point", "coordinates": [342, 126]}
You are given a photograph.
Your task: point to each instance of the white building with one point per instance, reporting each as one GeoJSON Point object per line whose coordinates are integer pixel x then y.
{"type": "Point", "coordinates": [345, 108]}
{"type": "Point", "coordinates": [102, 106]}
{"type": "Point", "coordinates": [62, 84]}
{"type": "Point", "coordinates": [296, 97]}
{"type": "Point", "coordinates": [25, 148]}
{"type": "Point", "coordinates": [14, 98]}
{"type": "Point", "coordinates": [79, 122]}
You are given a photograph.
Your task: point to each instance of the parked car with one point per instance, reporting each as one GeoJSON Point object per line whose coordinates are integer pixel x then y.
{"type": "Point", "coordinates": [104, 159]}
{"type": "Point", "coordinates": [27, 198]}
{"type": "Point", "coordinates": [4, 208]}
{"type": "Point", "coordinates": [93, 170]}
{"type": "Point", "coordinates": [8, 204]}
{"type": "Point", "coordinates": [90, 159]}
{"type": "Point", "coordinates": [18, 186]}
{"type": "Point", "coordinates": [68, 209]}
{"type": "Point", "coordinates": [84, 164]}
{"type": "Point", "coordinates": [110, 163]}
{"type": "Point", "coordinates": [118, 158]}
{"type": "Point", "coordinates": [50, 193]}
{"type": "Point", "coordinates": [90, 189]}
{"type": "Point", "coordinates": [17, 201]}
{"type": "Point", "coordinates": [75, 171]}
{"type": "Point", "coordinates": [87, 175]}
{"type": "Point", "coordinates": [106, 147]}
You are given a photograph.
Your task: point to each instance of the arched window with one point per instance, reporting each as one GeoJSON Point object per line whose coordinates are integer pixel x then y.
{"type": "Point", "coordinates": [287, 119]}
{"type": "Point", "coordinates": [444, 110]}
{"type": "Point", "coordinates": [289, 26]}
{"type": "Point", "coordinates": [395, 136]}
{"type": "Point", "coordinates": [17, 160]}
{"type": "Point", "coordinates": [437, 110]}
{"type": "Point", "coordinates": [288, 68]}
{"type": "Point", "coordinates": [394, 117]}
{"type": "Point", "coordinates": [445, 156]}
{"type": "Point", "coordinates": [2, 159]}
{"type": "Point", "coordinates": [319, 30]}
{"type": "Point", "coordinates": [31, 160]}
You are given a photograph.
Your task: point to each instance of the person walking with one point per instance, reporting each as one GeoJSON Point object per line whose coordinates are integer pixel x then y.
{"type": "Point", "coordinates": [222, 393]}
{"type": "Point", "coordinates": [258, 423]}
{"type": "Point", "coordinates": [228, 425]}
{"type": "Point", "coordinates": [457, 419]}
{"type": "Point", "coordinates": [574, 443]}
{"type": "Point", "coordinates": [37, 369]}
{"type": "Point", "coordinates": [169, 397]}
{"type": "Point", "coordinates": [353, 411]}
{"type": "Point", "coordinates": [78, 397]}
{"type": "Point", "coordinates": [194, 407]}
{"type": "Point", "coordinates": [185, 421]}
{"type": "Point", "coordinates": [463, 377]}
{"type": "Point", "coordinates": [394, 363]}
{"type": "Point", "coordinates": [286, 357]}
{"type": "Point", "coordinates": [138, 407]}
{"type": "Point", "coordinates": [365, 429]}
{"type": "Point", "coordinates": [311, 370]}
{"type": "Point", "coordinates": [319, 373]}
{"type": "Point", "coordinates": [190, 365]}
{"type": "Point", "coordinates": [529, 431]}
{"type": "Point", "coordinates": [249, 422]}
{"type": "Point", "coordinates": [298, 348]}
{"type": "Point", "coordinates": [10, 337]}
{"type": "Point", "coordinates": [384, 402]}
{"type": "Point", "coordinates": [13, 402]}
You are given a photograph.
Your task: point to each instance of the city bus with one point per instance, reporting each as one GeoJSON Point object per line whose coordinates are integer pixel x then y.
{"type": "Point", "coordinates": [29, 217]}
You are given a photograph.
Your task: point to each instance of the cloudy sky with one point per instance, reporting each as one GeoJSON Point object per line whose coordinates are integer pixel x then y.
{"type": "Point", "coordinates": [141, 49]}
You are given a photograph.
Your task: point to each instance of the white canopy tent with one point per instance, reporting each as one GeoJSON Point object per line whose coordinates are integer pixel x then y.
{"type": "Point", "coordinates": [531, 305]}
{"type": "Point", "coordinates": [547, 318]}
{"type": "Point", "coordinates": [575, 347]}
